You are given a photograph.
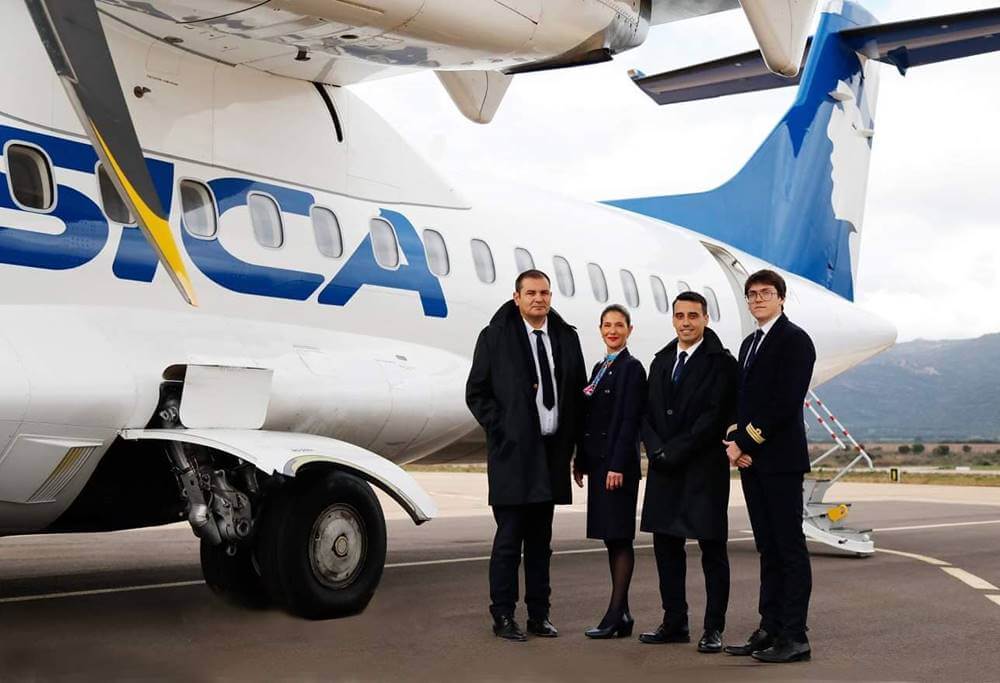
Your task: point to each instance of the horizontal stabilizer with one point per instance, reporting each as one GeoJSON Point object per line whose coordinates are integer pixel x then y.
{"type": "Point", "coordinates": [741, 73]}
{"type": "Point", "coordinates": [903, 44]}
{"type": "Point", "coordinates": [925, 41]}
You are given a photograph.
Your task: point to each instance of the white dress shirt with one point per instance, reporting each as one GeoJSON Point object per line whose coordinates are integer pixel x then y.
{"type": "Point", "coordinates": [547, 418]}
{"type": "Point", "coordinates": [689, 351]}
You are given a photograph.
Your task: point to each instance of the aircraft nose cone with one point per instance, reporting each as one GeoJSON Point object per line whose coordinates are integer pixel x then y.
{"type": "Point", "coordinates": [845, 335]}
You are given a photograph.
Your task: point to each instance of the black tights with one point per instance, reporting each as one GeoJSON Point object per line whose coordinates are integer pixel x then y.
{"type": "Point", "coordinates": [621, 560]}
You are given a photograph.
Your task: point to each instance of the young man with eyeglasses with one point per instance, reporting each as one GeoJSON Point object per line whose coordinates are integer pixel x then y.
{"type": "Point", "coordinates": [768, 444]}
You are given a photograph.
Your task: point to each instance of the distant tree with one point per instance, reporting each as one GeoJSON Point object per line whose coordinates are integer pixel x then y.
{"type": "Point", "coordinates": [942, 449]}
{"type": "Point", "coordinates": [966, 448]}
{"type": "Point", "coordinates": [918, 448]}
{"type": "Point", "coordinates": [903, 448]}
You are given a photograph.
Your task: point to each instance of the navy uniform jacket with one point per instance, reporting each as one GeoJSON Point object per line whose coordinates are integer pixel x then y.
{"type": "Point", "coordinates": [612, 416]}
{"type": "Point", "coordinates": [500, 393]}
{"type": "Point", "coordinates": [770, 426]}
{"type": "Point", "coordinates": [687, 489]}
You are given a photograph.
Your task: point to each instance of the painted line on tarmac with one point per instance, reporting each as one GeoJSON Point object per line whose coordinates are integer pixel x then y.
{"type": "Point", "coordinates": [393, 565]}
{"type": "Point", "coordinates": [937, 526]}
{"type": "Point", "coordinates": [914, 556]}
{"type": "Point", "coordinates": [985, 585]}
{"type": "Point", "coordinates": [970, 580]}
{"type": "Point", "coordinates": [100, 591]}
{"type": "Point", "coordinates": [577, 551]}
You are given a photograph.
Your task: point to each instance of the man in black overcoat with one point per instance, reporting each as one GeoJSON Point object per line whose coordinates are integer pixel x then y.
{"type": "Point", "coordinates": [526, 388]}
{"type": "Point", "coordinates": [692, 394]}
{"type": "Point", "coordinates": [768, 443]}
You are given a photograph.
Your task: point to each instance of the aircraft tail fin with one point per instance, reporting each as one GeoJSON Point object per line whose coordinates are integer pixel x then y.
{"type": "Point", "coordinates": [798, 202]}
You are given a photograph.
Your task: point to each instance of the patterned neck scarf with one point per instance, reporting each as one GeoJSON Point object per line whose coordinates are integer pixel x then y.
{"type": "Point", "coordinates": [608, 360]}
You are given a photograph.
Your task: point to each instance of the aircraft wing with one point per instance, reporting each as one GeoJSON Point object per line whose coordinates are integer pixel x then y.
{"type": "Point", "coordinates": [666, 11]}
{"type": "Point", "coordinates": [903, 44]}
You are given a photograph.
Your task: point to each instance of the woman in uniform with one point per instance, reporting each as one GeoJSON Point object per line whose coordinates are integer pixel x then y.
{"type": "Point", "coordinates": [609, 456]}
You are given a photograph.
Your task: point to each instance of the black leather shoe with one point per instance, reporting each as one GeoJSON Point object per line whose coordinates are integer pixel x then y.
{"type": "Point", "coordinates": [621, 629]}
{"type": "Point", "coordinates": [542, 628]}
{"type": "Point", "coordinates": [507, 628]}
{"type": "Point", "coordinates": [783, 651]}
{"type": "Point", "coordinates": [711, 641]}
{"type": "Point", "coordinates": [664, 635]}
{"type": "Point", "coordinates": [758, 640]}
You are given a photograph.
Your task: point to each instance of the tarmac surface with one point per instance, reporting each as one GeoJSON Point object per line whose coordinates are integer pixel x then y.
{"type": "Point", "coordinates": [130, 605]}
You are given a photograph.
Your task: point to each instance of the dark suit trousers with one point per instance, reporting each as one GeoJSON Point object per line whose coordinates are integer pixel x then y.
{"type": "Point", "coordinates": [528, 527]}
{"type": "Point", "coordinates": [671, 565]}
{"type": "Point", "coordinates": [774, 502]}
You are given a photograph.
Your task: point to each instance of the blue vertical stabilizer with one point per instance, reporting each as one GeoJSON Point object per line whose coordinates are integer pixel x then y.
{"type": "Point", "coordinates": [799, 201]}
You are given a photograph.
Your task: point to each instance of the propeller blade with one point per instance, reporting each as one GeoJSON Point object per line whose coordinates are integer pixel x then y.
{"type": "Point", "coordinates": [72, 34]}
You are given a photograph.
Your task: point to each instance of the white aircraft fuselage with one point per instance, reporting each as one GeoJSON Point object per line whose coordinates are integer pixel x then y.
{"type": "Point", "coordinates": [371, 355]}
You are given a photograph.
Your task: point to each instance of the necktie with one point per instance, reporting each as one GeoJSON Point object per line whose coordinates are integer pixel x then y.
{"type": "Point", "coordinates": [592, 387]}
{"type": "Point", "coordinates": [548, 391]}
{"type": "Point", "coordinates": [753, 347]}
{"type": "Point", "coordinates": [679, 368]}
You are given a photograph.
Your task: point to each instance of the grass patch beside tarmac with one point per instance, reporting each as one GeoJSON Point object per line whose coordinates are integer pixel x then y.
{"type": "Point", "coordinates": [878, 477]}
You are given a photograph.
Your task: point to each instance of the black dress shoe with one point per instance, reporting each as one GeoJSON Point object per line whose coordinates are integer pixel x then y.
{"type": "Point", "coordinates": [711, 641]}
{"type": "Point", "coordinates": [662, 635]}
{"type": "Point", "coordinates": [507, 628]}
{"type": "Point", "coordinates": [783, 651]}
{"type": "Point", "coordinates": [621, 629]}
{"type": "Point", "coordinates": [758, 640]}
{"type": "Point", "coordinates": [542, 627]}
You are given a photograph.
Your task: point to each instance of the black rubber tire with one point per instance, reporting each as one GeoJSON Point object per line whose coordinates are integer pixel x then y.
{"type": "Point", "coordinates": [233, 578]}
{"type": "Point", "coordinates": [284, 540]}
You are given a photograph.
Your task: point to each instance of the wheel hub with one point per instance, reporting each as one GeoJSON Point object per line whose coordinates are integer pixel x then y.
{"type": "Point", "coordinates": [338, 545]}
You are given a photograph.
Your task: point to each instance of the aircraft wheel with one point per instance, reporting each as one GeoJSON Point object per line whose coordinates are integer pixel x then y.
{"type": "Point", "coordinates": [234, 577]}
{"type": "Point", "coordinates": [322, 548]}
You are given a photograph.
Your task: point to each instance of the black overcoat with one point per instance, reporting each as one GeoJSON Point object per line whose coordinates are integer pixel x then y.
{"type": "Point", "coordinates": [770, 426]}
{"type": "Point", "coordinates": [501, 391]}
{"type": "Point", "coordinates": [610, 443]}
{"type": "Point", "coordinates": [687, 488]}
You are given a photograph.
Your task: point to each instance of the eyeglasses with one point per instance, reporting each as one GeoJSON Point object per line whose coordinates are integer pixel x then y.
{"type": "Point", "coordinates": [762, 295]}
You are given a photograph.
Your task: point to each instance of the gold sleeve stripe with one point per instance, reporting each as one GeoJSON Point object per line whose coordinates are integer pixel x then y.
{"type": "Point", "coordinates": [755, 434]}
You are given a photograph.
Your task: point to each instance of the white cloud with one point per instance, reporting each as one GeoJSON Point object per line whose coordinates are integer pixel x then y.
{"type": "Point", "coordinates": [930, 252]}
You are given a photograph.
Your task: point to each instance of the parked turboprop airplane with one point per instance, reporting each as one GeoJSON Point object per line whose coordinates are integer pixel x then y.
{"type": "Point", "coordinates": [161, 145]}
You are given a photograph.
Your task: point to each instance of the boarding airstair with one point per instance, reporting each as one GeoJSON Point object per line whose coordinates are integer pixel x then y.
{"type": "Point", "coordinates": [823, 520]}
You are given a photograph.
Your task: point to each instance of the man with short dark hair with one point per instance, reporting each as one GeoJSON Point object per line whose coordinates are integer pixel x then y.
{"type": "Point", "coordinates": [769, 446]}
{"type": "Point", "coordinates": [692, 395]}
{"type": "Point", "coordinates": [525, 389]}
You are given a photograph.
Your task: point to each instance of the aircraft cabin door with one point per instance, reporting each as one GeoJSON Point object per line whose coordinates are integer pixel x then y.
{"type": "Point", "coordinates": [737, 276]}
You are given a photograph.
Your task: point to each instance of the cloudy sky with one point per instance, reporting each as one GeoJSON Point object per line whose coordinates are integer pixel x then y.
{"type": "Point", "coordinates": [930, 254]}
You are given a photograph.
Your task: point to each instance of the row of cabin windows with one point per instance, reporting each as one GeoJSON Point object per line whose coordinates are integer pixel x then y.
{"type": "Point", "coordinates": [482, 258]}
{"type": "Point", "coordinates": [31, 181]}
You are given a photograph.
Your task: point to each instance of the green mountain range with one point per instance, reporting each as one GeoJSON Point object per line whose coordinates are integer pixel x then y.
{"type": "Point", "coordinates": [920, 390]}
